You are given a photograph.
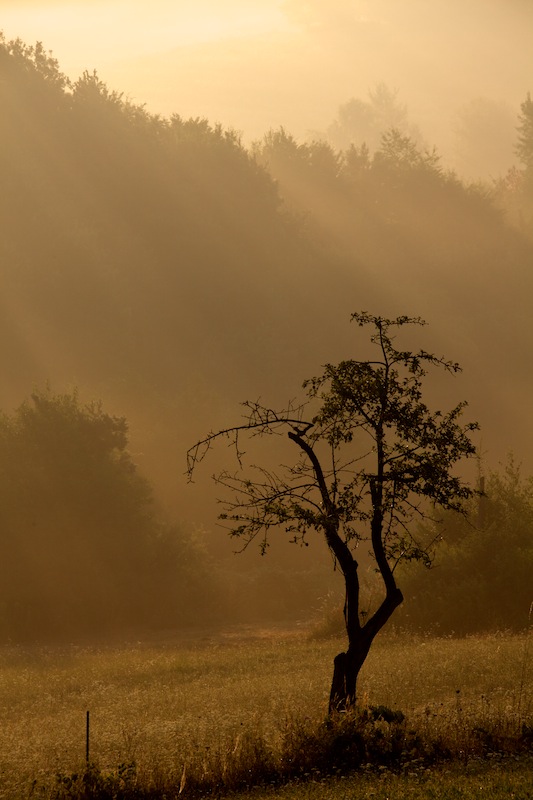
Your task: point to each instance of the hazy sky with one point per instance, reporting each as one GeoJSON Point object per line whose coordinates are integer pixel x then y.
{"type": "Point", "coordinates": [255, 64]}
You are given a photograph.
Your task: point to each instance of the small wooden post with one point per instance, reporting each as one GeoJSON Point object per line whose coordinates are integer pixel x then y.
{"type": "Point", "coordinates": [87, 739]}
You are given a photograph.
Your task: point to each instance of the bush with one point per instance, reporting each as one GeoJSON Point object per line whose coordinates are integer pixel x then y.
{"type": "Point", "coordinates": [481, 576]}
{"type": "Point", "coordinates": [83, 550]}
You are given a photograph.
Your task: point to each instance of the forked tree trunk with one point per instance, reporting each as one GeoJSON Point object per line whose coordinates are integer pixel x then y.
{"type": "Point", "coordinates": [347, 666]}
{"type": "Point", "coordinates": [346, 669]}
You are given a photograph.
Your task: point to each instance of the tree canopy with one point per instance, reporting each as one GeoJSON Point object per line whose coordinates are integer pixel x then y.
{"type": "Point", "coordinates": [372, 458]}
{"type": "Point", "coordinates": [361, 122]}
{"type": "Point", "coordinates": [83, 548]}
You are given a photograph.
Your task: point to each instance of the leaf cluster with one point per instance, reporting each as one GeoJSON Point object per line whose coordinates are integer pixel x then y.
{"type": "Point", "coordinates": [369, 450]}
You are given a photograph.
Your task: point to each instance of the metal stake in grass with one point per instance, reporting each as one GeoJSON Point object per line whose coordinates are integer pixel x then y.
{"type": "Point", "coordinates": [87, 724]}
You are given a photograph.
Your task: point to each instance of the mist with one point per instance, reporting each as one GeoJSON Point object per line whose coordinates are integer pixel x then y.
{"type": "Point", "coordinates": [196, 201]}
{"type": "Point", "coordinates": [253, 66]}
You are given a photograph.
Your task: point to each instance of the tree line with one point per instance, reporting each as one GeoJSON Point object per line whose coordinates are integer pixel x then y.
{"type": "Point", "coordinates": [164, 266]}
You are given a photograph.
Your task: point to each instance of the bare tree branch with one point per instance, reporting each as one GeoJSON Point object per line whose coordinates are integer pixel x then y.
{"type": "Point", "coordinates": [372, 459]}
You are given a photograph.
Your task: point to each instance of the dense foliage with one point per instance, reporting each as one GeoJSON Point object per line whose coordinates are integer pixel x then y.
{"type": "Point", "coordinates": [83, 550]}
{"type": "Point", "coordinates": [481, 577]}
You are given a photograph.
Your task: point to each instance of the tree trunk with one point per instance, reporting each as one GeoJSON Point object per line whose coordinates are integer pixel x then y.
{"type": "Point", "coordinates": [346, 668]}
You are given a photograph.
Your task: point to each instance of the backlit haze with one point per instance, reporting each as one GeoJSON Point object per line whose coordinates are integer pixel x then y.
{"type": "Point", "coordinates": [370, 156]}
{"type": "Point", "coordinates": [258, 64]}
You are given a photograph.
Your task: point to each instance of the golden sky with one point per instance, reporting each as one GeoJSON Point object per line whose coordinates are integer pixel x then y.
{"type": "Point", "coordinates": [115, 28]}
{"type": "Point", "coordinates": [255, 64]}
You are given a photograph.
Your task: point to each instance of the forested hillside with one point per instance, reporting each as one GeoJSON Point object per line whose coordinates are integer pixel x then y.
{"type": "Point", "coordinates": [147, 261]}
{"type": "Point", "coordinates": [158, 264]}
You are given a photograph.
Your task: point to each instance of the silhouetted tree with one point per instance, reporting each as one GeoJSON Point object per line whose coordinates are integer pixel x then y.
{"type": "Point", "coordinates": [372, 457]}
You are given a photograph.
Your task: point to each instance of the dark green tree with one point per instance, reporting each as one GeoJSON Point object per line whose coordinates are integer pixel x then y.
{"type": "Point", "coordinates": [371, 458]}
{"type": "Point", "coordinates": [483, 568]}
{"type": "Point", "coordinates": [83, 547]}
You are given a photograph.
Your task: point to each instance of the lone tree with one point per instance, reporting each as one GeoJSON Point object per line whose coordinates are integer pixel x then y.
{"type": "Point", "coordinates": [371, 458]}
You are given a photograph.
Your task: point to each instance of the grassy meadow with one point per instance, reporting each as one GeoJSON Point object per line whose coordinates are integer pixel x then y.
{"type": "Point", "coordinates": [497, 781]}
{"type": "Point", "coordinates": [225, 709]}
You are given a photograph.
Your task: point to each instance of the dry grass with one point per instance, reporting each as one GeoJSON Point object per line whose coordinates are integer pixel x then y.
{"type": "Point", "coordinates": [220, 706]}
{"type": "Point", "coordinates": [501, 780]}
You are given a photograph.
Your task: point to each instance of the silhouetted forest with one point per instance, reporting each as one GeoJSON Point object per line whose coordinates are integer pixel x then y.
{"type": "Point", "coordinates": [161, 266]}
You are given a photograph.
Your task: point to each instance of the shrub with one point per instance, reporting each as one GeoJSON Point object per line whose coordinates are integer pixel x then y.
{"type": "Point", "coordinates": [481, 579]}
